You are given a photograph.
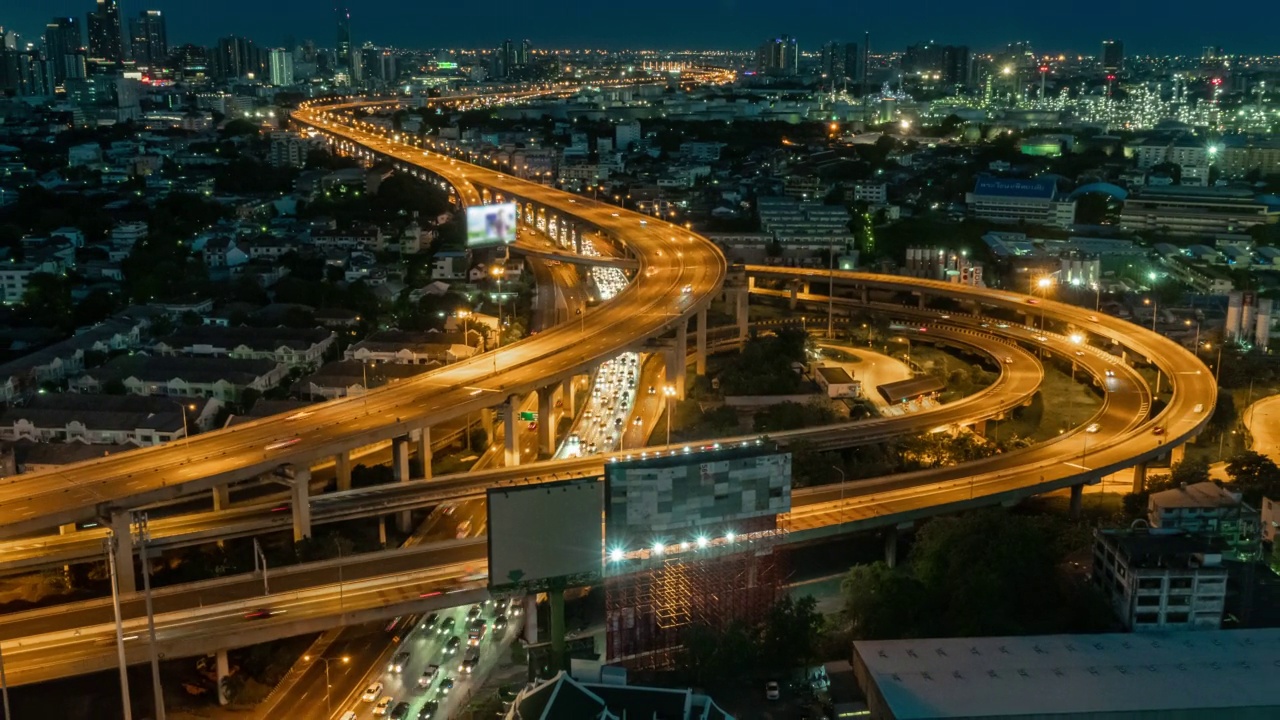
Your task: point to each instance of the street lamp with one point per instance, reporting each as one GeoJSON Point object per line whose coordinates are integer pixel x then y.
{"type": "Point", "coordinates": [344, 659]}
{"type": "Point", "coordinates": [497, 272]}
{"type": "Point", "coordinates": [670, 392]}
{"type": "Point", "coordinates": [1155, 310]}
{"type": "Point", "coordinates": [186, 435]}
{"type": "Point", "coordinates": [1044, 283]}
{"type": "Point", "coordinates": [841, 471]}
{"type": "Point", "coordinates": [1197, 342]}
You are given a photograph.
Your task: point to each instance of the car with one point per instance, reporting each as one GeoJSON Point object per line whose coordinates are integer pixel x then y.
{"type": "Point", "coordinates": [771, 690]}
{"type": "Point", "coordinates": [1079, 353]}
{"type": "Point", "coordinates": [259, 614]}
{"type": "Point", "coordinates": [430, 621]}
{"type": "Point", "coordinates": [500, 622]}
{"type": "Point", "coordinates": [1042, 338]}
{"type": "Point", "coordinates": [452, 646]}
{"type": "Point", "coordinates": [463, 529]}
{"type": "Point", "coordinates": [283, 443]}
{"type": "Point", "coordinates": [1199, 408]}
{"type": "Point", "coordinates": [400, 711]}
{"type": "Point", "coordinates": [1157, 430]}
{"type": "Point", "coordinates": [618, 422]}
{"type": "Point", "coordinates": [428, 676]}
{"type": "Point", "coordinates": [429, 710]}
{"type": "Point", "coordinates": [383, 705]}
{"type": "Point", "coordinates": [348, 715]}
{"type": "Point", "coordinates": [1002, 326]}
{"type": "Point", "coordinates": [687, 289]}
{"type": "Point", "coordinates": [445, 686]}
{"type": "Point", "coordinates": [638, 422]}
{"type": "Point", "coordinates": [372, 692]}
{"type": "Point", "coordinates": [399, 662]}
{"type": "Point", "coordinates": [446, 626]}
{"type": "Point", "coordinates": [469, 660]}
{"type": "Point", "coordinates": [1093, 428]}
{"type": "Point", "coordinates": [474, 612]}
{"type": "Point", "coordinates": [1008, 360]}
{"type": "Point", "coordinates": [1111, 373]}
{"type": "Point", "coordinates": [513, 608]}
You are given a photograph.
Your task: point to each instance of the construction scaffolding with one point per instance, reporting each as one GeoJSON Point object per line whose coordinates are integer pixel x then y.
{"type": "Point", "coordinates": [652, 600]}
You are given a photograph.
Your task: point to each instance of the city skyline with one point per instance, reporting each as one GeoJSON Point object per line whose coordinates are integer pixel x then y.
{"type": "Point", "coordinates": [725, 25]}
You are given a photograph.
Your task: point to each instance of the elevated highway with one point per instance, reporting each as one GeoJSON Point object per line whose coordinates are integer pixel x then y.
{"type": "Point", "coordinates": [682, 274]}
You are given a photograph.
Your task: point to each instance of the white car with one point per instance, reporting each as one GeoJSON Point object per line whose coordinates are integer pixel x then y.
{"type": "Point", "coordinates": [348, 715]}
{"type": "Point", "coordinates": [384, 705]}
{"type": "Point", "coordinates": [1092, 428]}
{"type": "Point", "coordinates": [771, 690]}
{"type": "Point", "coordinates": [372, 692]}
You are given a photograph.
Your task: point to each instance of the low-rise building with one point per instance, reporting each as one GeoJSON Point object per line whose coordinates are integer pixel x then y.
{"type": "Point", "coordinates": [1196, 210]}
{"type": "Point", "coordinates": [1033, 200]}
{"type": "Point", "coordinates": [67, 357]}
{"type": "Point", "coordinates": [221, 378]}
{"type": "Point", "coordinates": [837, 382]}
{"type": "Point", "coordinates": [289, 346]}
{"type": "Point", "coordinates": [1207, 509]}
{"type": "Point", "coordinates": [1161, 579]}
{"type": "Point", "coordinates": [101, 419]}
{"type": "Point", "coordinates": [416, 348]}
{"type": "Point", "coordinates": [353, 377]}
{"type": "Point", "coordinates": [607, 696]}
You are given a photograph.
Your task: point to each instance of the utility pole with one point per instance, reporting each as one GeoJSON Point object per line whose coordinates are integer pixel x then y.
{"type": "Point", "coordinates": [143, 536]}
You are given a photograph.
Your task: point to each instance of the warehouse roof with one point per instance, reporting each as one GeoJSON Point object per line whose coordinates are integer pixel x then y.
{"type": "Point", "coordinates": [1210, 671]}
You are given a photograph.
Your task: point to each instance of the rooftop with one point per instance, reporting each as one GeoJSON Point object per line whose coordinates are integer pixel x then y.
{"type": "Point", "coordinates": [1158, 549]}
{"type": "Point", "coordinates": [1076, 675]}
{"type": "Point", "coordinates": [1029, 188]}
{"type": "Point", "coordinates": [1197, 495]}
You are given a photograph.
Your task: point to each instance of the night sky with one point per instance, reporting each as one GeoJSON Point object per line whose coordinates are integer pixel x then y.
{"type": "Point", "coordinates": [1146, 26]}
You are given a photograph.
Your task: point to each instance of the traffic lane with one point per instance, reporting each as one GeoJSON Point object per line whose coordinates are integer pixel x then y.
{"type": "Point", "coordinates": [242, 449]}
{"type": "Point", "coordinates": [243, 587]}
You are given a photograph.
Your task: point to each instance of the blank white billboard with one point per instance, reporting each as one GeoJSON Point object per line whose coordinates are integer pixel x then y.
{"type": "Point", "coordinates": [546, 535]}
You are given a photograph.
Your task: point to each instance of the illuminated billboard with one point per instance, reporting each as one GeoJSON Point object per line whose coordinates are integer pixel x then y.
{"type": "Point", "coordinates": [544, 536]}
{"type": "Point", "coordinates": [665, 495]}
{"type": "Point", "coordinates": [489, 225]}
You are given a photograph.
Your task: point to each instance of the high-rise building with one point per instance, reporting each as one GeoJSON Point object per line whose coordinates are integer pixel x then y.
{"type": "Point", "coordinates": [344, 35]}
{"type": "Point", "coordinates": [1112, 56]}
{"type": "Point", "coordinates": [106, 37]}
{"type": "Point", "coordinates": [238, 57]}
{"type": "Point", "coordinates": [149, 43]}
{"type": "Point", "coordinates": [24, 73]}
{"type": "Point", "coordinates": [779, 56]}
{"type": "Point", "coordinates": [945, 64]}
{"type": "Point", "coordinates": [281, 67]}
{"type": "Point", "coordinates": [63, 46]}
{"type": "Point", "coordinates": [513, 58]}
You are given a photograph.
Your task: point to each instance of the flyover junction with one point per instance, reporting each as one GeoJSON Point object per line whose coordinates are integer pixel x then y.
{"type": "Point", "coordinates": [677, 275]}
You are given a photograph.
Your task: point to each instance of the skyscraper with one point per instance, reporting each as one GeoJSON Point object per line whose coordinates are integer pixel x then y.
{"type": "Point", "coordinates": [344, 36]}
{"type": "Point", "coordinates": [1112, 56]}
{"type": "Point", "coordinates": [106, 38]}
{"type": "Point", "coordinates": [150, 45]}
{"type": "Point", "coordinates": [779, 56]}
{"type": "Point", "coordinates": [238, 57]}
{"type": "Point", "coordinates": [63, 46]}
{"type": "Point", "coordinates": [281, 67]}
{"type": "Point", "coordinates": [839, 64]}
{"type": "Point", "coordinates": [949, 63]}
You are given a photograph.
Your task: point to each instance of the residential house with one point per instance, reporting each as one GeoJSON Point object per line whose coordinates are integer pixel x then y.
{"type": "Point", "coordinates": [354, 377]}
{"type": "Point", "coordinates": [416, 348]}
{"type": "Point", "coordinates": [222, 378]}
{"type": "Point", "coordinates": [294, 347]}
{"type": "Point", "coordinates": [103, 419]}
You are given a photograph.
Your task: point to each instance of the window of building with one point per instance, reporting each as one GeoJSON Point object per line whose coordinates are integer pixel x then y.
{"type": "Point", "coordinates": [1149, 600]}
{"type": "Point", "coordinates": [1150, 583]}
{"type": "Point", "coordinates": [1176, 617]}
{"type": "Point", "coordinates": [1146, 618]}
{"type": "Point", "coordinates": [1180, 583]}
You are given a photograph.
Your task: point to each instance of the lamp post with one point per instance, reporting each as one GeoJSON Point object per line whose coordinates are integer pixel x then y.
{"type": "Point", "coordinates": [110, 545]}
{"type": "Point", "coordinates": [1155, 310]}
{"type": "Point", "coordinates": [142, 535]}
{"type": "Point", "coordinates": [186, 434]}
{"type": "Point", "coordinates": [670, 392]}
{"type": "Point", "coordinates": [328, 701]}
{"type": "Point", "coordinates": [497, 272]}
{"type": "Point", "coordinates": [1076, 339]}
{"type": "Point", "coordinates": [841, 471]}
{"type": "Point", "coordinates": [1043, 284]}
{"type": "Point", "coordinates": [1197, 342]}
{"type": "Point", "coordinates": [831, 288]}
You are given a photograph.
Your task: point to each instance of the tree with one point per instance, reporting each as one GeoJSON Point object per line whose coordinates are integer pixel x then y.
{"type": "Point", "coordinates": [790, 634]}
{"type": "Point", "coordinates": [1255, 475]}
{"type": "Point", "coordinates": [881, 602]}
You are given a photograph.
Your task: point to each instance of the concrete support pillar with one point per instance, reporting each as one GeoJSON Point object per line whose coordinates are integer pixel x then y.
{"type": "Point", "coordinates": [804, 287]}
{"type": "Point", "coordinates": [126, 581]}
{"type": "Point", "coordinates": [795, 289]}
{"type": "Point", "coordinates": [1077, 500]}
{"type": "Point", "coordinates": [223, 671]}
{"type": "Point", "coordinates": [569, 392]}
{"type": "Point", "coordinates": [423, 450]}
{"type": "Point", "coordinates": [555, 598]}
{"type": "Point", "coordinates": [400, 458]}
{"type": "Point", "coordinates": [382, 531]}
{"type": "Point", "coordinates": [547, 421]}
{"type": "Point", "coordinates": [301, 504]}
{"type": "Point", "coordinates": [1176, 454]}
{"type": "Point", "coordinates": [980, 427]}
{"type": "Point", "coordinates": [1139, 477]}
{"type": "Point", "coordinates": [531, 618]}
{"type": "Point", "coordinates": [891, 548]}
{"type": "Point", "coordinates": [701, 340]}
{"type": "Point", "coordinates": [1159, 377]}
{"type": "Point", "coordinates": [675, 362]}
{"type": "Point", "coordinates": [922, 301]}
{"type": "Point", "coordinates": [741, 313]}
{"type": "Point", "coordinates": [486, 424]}
{"type": "Point", "coordinates": [511, 431]}
{"type": "Point", "coordinates": [221, 498]}
{"type": "Point", "coordinates": [866, 295]}
{"type": "Point", "coordinates": [342, 467]}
